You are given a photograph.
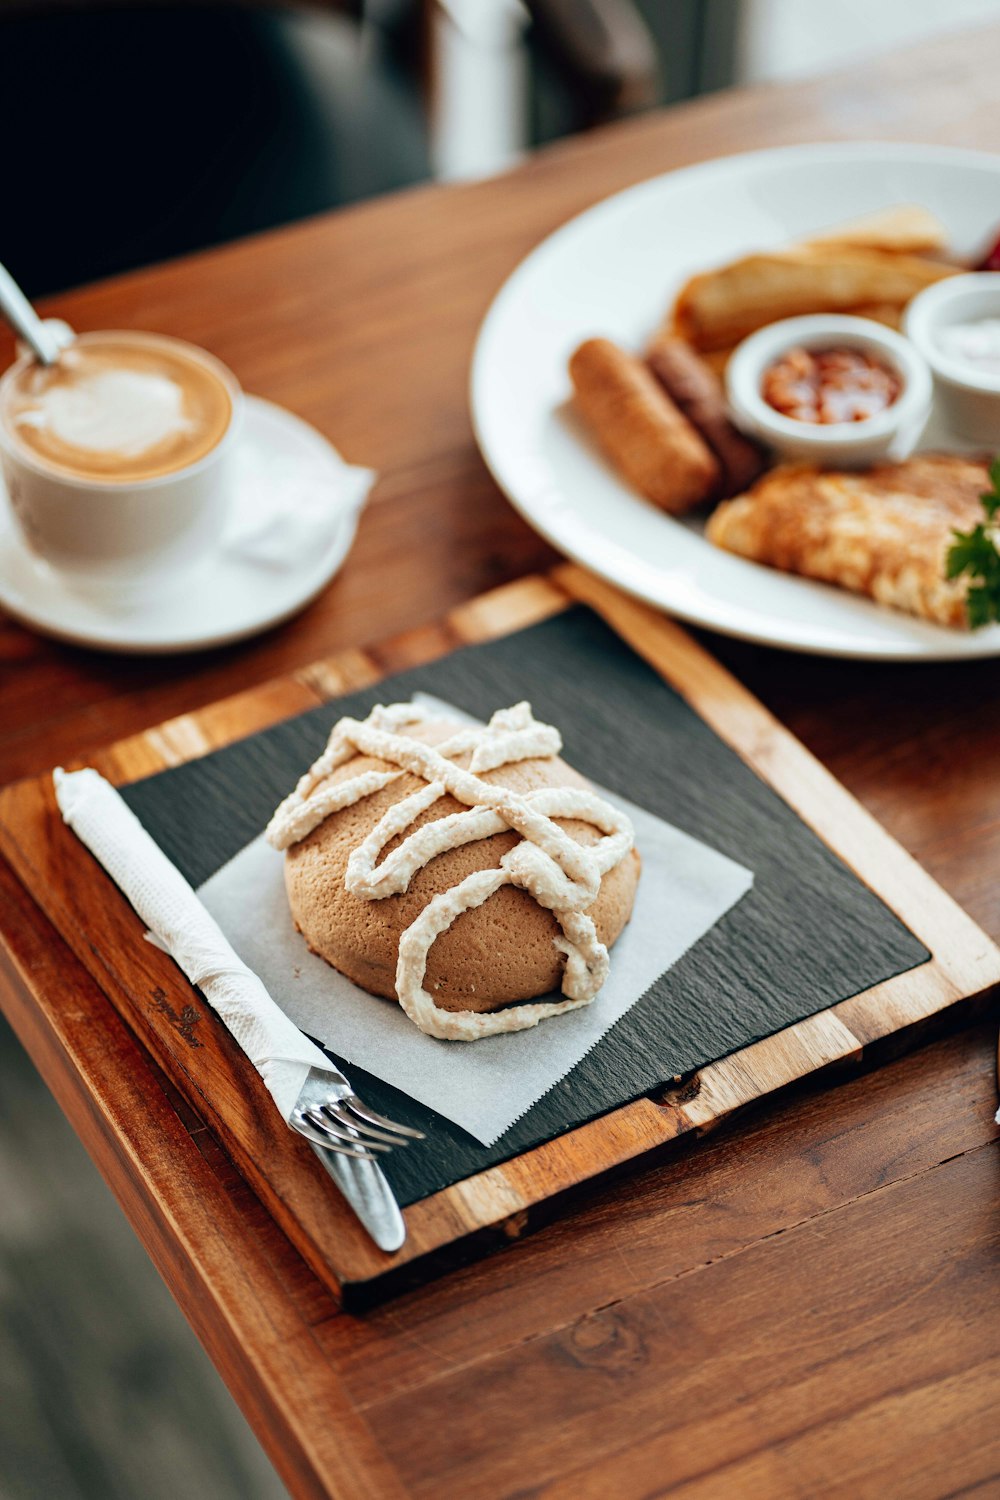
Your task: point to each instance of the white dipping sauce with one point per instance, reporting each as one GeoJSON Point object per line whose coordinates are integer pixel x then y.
{"type": "Point", "coordinates": [976, 344]}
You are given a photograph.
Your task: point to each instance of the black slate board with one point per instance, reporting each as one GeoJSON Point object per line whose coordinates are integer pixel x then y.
{"type": "Point", "coordinates": [808, 934]}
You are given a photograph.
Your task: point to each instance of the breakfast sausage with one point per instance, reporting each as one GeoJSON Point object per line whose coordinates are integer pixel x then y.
{"type": "Point", "coordinates": [649, 440]}
{"type": "Point", "coordinates": [696, 391]}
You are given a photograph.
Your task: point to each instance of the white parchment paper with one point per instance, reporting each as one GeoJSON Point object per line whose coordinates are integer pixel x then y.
{"type": "Point", "coordinates": [483, 1086]}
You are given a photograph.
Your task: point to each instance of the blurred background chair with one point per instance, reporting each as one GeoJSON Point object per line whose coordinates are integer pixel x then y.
{"type": "Point", "coordinates": [144, 130]}
{"type": "Point", "coordinates": [141, 129]}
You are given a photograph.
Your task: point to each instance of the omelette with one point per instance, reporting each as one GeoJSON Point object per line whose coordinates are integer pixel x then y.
{"type": "Point", "coordinates": [883, 532]}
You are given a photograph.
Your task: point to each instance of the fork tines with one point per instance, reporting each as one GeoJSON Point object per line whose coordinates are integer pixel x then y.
{"type": "Point", "coordinates": [350, 1127]}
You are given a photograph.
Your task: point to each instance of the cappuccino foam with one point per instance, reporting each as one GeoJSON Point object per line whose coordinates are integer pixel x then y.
{"type": "Point", "coordinates": [119, 407]}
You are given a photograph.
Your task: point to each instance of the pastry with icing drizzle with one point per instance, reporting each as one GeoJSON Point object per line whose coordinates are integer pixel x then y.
{"type": "Point", "coordinates": [464, 871]}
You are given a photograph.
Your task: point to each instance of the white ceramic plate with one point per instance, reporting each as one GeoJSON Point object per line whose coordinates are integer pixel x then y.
{"type": "Point", "coordinates": [614, 271]}
{"type": "Point", "coordinates": [291, 487]}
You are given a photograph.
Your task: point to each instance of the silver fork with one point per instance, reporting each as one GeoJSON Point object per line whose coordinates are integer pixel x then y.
{"type": "Point", "coordinates": [329, 1114]}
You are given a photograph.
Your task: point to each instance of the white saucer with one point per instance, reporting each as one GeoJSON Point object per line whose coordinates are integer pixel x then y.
{"type": "Point", "coordinates": [295, 513]}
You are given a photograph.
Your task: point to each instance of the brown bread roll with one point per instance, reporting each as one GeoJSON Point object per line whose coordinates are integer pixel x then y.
{"type": "Point", "coordinates": [499, 953]}
{"type": "Point", "coordinates": [652, 444]}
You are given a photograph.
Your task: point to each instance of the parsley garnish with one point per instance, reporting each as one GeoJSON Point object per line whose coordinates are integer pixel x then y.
{"type": "Point", "coordinates": [975, 553]}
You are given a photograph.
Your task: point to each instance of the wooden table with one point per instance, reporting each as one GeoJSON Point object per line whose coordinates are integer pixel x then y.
{"type": "Point", "coordinates": [802, 1305]}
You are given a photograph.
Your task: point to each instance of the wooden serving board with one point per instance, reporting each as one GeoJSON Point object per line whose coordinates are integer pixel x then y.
{"type": "Point", "coordinates": [218, 1087]}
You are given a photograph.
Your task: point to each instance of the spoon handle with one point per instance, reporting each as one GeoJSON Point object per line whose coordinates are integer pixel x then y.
{"type": "Point", "coordinates": [22, 317]}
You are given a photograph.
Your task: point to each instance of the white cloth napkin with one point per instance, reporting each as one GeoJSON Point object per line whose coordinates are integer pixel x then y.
{"type": "Point", "coordinates": [292, 506]}
{"type": "Point", "coordinates": [182, 926]}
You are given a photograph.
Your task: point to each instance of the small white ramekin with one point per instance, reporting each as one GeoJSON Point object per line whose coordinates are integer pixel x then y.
{"type": "Point", "coordinates": [888, 434]}
{"type": "Point", "coordinates": [968, 400]}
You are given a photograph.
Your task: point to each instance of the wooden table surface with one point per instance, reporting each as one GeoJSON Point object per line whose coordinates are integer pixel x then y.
{"type": "Point", "coordinates": [802, 1305]}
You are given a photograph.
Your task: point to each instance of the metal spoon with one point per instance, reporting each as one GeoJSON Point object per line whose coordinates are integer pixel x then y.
{"type": "Point", "coordinates": [45, 339]}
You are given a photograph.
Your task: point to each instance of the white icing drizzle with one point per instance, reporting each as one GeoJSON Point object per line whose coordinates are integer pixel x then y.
{"type": "Point", "coordinates": [561, 874]}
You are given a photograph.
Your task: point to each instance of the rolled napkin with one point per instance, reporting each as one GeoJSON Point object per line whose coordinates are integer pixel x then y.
{"type": "Point", "coordinates": [181, 925]}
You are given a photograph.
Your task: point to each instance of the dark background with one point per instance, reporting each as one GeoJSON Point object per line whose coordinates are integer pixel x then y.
{"type": "Point", "coordinates": [137, 131]}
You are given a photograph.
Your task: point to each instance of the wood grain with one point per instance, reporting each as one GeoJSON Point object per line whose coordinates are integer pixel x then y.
{"type": "Point", "coordinates": [364, 322]}
{"type": "Point", "coordinates": [217, 1082]}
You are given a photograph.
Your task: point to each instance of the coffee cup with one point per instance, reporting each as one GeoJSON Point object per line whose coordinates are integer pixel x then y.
{"type": "Point", "coordinates": [118, 459]}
